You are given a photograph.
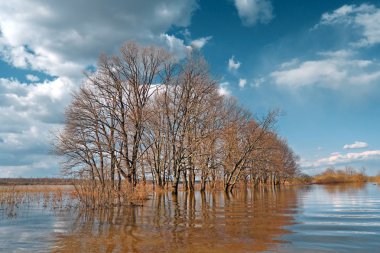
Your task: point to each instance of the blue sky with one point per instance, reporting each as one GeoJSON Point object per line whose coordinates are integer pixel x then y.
{"type": "Point", "coordinates": [316, 61]}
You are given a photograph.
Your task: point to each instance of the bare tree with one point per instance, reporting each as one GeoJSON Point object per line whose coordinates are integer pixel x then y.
{"type": "Point", "coordinates": [142, 114]}
{"type": "Point", "coordinates": [106, 120]}
{"type": "Point", "coordinates": [184, 101]}
{"type": "Point", "coordinates": [243, 137]}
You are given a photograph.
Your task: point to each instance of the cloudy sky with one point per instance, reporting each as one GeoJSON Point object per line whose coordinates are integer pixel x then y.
{"type": "Point", "coordinates": [317, 61]}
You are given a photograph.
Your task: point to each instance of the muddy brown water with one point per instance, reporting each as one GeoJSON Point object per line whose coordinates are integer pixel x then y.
{"type": "Point", "coordinates": [342, 218]}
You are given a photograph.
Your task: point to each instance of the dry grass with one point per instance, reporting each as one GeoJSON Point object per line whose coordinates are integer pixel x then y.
{"type": "Point", "coordinates": [13, 197]}
{"type": "Point", "coordinates": [375, 179]}
{"type": "Point", "coordinates": [83, 194]}
{"type": "Point", "coordinates": [301, 179]}
{"type": "Point", "coordinates": [93, 195]}
{"type": "Point", "coordinates": [34, 181]}
{"type": "Point", "coordinates": [26, 194]}
{"type": "Point", "coordinates": [331, 176]}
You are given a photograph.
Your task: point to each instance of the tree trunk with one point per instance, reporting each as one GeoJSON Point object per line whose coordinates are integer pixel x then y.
{"type": "Point", "coordinates": [185, 181]}
{"type": "Point", "coordinates": [203, 183]}
{"type": "Point", "coordinates": [192, 180]}
{"type": "Point", "coordinates": [175, 184]}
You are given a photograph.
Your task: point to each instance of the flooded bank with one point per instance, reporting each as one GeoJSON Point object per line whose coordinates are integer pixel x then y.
{"type": "Point", "coordinates": [343, 218]}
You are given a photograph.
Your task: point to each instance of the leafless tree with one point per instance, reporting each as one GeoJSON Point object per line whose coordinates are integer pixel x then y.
{"type": "Point", "coordinates": [143, 114]}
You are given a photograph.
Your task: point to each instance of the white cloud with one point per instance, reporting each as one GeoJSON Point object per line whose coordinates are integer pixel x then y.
{"type": "Point", "coordinates": [224, 89]}
{"type": "Point", "coordinates": [43, 101]}
{"type": "Point", "coordinates": [200, 42]}
{"type": "Point", "coordinates": [242, 83]}
{"type": "Point", "coordinates": [178, 46]}
{"type": "Point", "coordinates": [333, 70]}
{"type": "Point", "coordinates": [356, 145]}
{"type": "Point", "coordinates": [175, 45]}
{"type": "Point", "coordinates": [61, 39]}
{"type": "Point", "coordinates": [64, 37]}
{"type": "Point", "coordinates": [32, 166]}
{"type": "Point", "coordinates": [254, 11]}
{"type": "Point", "coordinates": [32, 78]}
{"type": "Point", "coordinates": [309, 72]}
{"type": "Point", "coordinates": [364, 19]}
{"type": "Point", "coordinates": [293, 62]}
{"type": "Point", "coordinates": [28, 113]}
{"type": "Point", "coordinates": [371, 26]}
{"type": "Point", "coordinates": [337, 54]}
{"type": "Point", "coordinates": [338, 158]}
{"type": "Point", "coordinates": [233, 64]}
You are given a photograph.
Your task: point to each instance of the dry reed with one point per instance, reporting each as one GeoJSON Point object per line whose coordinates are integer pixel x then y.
{"type": "Point", "coordinates": [331, 176]}
{"type": "Point", "coordinates": [13, 197]}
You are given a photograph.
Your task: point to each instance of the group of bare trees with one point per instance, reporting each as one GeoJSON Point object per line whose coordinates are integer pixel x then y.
{"type": "Point", "coordinates": [143, 116]}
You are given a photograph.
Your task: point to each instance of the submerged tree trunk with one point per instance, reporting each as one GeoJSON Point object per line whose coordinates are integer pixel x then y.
{"type": "Point", "coordinates": [175, 184]}
{"type": "Point", "coordinates": [185, 182]}
{"type": "Point", "coordinates": [203, 183]}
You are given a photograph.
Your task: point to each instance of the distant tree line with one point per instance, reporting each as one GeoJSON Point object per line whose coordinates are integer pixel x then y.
{"type": "Point", "coordinates": [143, 115]}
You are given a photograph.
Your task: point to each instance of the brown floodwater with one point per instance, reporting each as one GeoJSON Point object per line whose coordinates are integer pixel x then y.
{"type": "Point", "coordinates": [343, 218]}
{"type": "Point", "coordinates": [213, 222]}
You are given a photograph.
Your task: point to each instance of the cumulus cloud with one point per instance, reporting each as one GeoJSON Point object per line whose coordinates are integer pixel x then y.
{"type": "Point", "coordinates": [200, 42]}
{"type": "Point", "coordinates": [175, 45]}
{"type": "Point", "coordinates": [364, 19]}
{"type": "Point", "coordinates": [28, 113]}
{"type": "Point", "coordinates": [332, 70]}
{"type": "Point", "coordinates": [242, 83]}
{"type": "Point", "coordinates": [29, 165]}
{"type": "Point", "coordinates": [339, 159]}
{"type": "Point", "coordinates": [32, 78]}
{"type": "Point", "coordinates": [62, 38]}
{"type": "Point", "coordinates": [233, 65]}
{"type": "Point", "coordinates": [356, 145]}
{"type": "Point", "coordinates": [224, 89]}
{"type": "Point", "coordinates": [252, 12]}
{"type": "Point", "coordinates": [178, 47]}
{"type": "Point", "coordinates": [39, 101]}
{"type": "Point", "coordinates": [342, 68]}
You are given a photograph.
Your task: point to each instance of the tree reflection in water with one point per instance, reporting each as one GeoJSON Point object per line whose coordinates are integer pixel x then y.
{"type": "Point", "coordinates": [247, 221]}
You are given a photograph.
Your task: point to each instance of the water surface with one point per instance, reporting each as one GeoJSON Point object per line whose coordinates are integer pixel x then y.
{"type": "Point", "coordinates": [343, 218]}
{"type": "Point", "coordinates": [336, 218]}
